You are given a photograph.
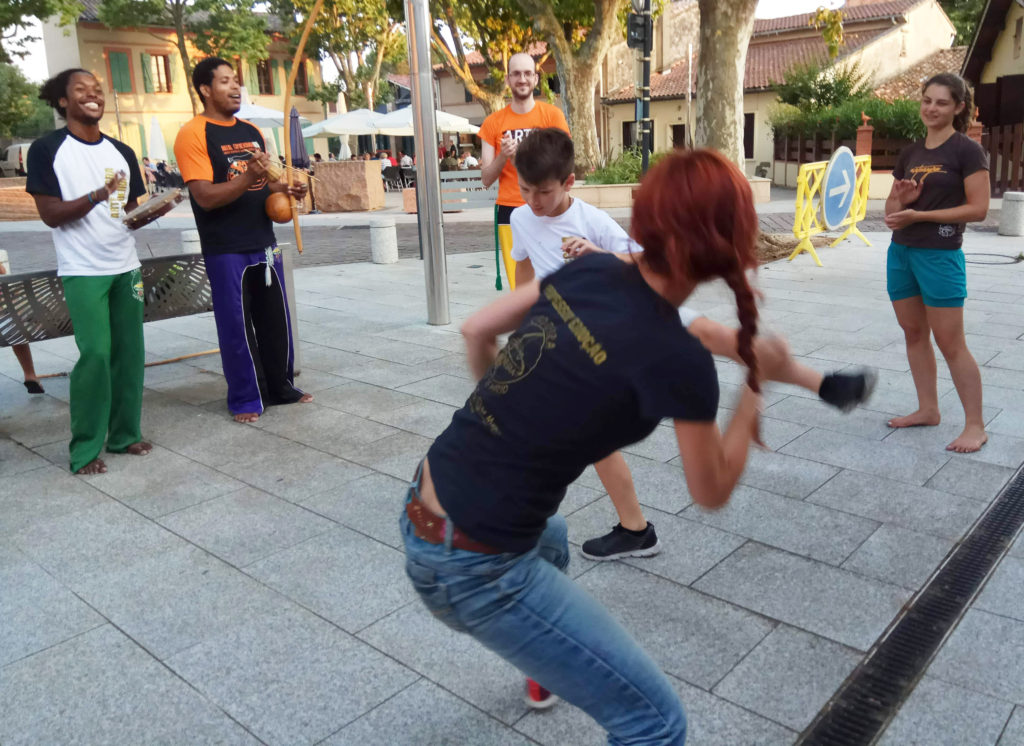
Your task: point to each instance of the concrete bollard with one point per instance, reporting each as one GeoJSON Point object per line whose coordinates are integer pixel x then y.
{"type": "Point", "coordinates": [190, 242]}
{"type": "Point", "coordinates": [1011, 217]}
{"type": "Point", "coordinates": [5, 263]}
{"type": "Point", "coordinates": [383, 240]}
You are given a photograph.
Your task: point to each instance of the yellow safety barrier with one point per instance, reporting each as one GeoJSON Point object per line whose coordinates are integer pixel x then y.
{"type": "Point", "coordinates": [808, 221]}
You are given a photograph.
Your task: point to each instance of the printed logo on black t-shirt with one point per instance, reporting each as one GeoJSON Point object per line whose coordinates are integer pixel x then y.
{"type": "Point", "coordinates": [238, 155]}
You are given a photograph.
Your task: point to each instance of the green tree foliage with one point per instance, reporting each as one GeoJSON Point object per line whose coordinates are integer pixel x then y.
{"type": "Point", "coordinates": [362, 39]}
{"type": "Point", "coordinates": [17, 15]}
{"type": "Point", "coordinates": [830, 22]}
{"type": "Point", "coordinates": [812, 85]}
{"type": "Point", "coordinates": [16, 95]}
{"type": "Point", "coordinates": [39, 122]}
{"type": "Point", "coordinates": [496, 29]}
{"type": "Point", "coordinates": [965, 15]}
{"type": "Point", "coordinates": [237, 30]}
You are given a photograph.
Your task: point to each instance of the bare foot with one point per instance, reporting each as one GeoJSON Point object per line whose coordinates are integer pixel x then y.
{"type": "Point", "coordinates": [920, 418]}
{"type": "Point", "coordinates": [139, 449]}
{"type": "Point", "coordinates": [96, 466]}
{"type": "Point", "coordinates": [970, 440]}
{"type": "Point", "coordinates": [306, 399]}
{"type": "Point", "coordinates": [247, 417]}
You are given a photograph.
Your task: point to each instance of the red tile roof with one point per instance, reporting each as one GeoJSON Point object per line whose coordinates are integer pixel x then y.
{"type": "Point", "coordinates": [475, 59]}
{"type": "Point", "coordinates": [908, 85]}
{"type": "Point", "coordinates": [766, 61]}
{"type": "Point", "coordinates": [402, 81]}
{"type": "Point", "coordinates": [856, 14]}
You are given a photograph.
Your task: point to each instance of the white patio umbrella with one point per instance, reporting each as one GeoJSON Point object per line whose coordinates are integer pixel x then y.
{"type": "Point", "coordinates": [262, 116]}
{"type": "Point", "coordinates": [355, 122]}
{"type": "Point", "coordinates": [398, 123]}
{"type": "Point", "coordinates": [157, 147]}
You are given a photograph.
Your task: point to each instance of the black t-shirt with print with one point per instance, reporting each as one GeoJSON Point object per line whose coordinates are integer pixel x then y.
{"type": "Point", "coordinates": [942, 171]}
{"type": "Point", "coordinates": [597, 363]}
{"type": "Point", "coordinates": [209, 150]}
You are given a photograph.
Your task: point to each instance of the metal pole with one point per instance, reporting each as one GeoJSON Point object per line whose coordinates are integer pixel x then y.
{"type": "Point", "coordinates": [117, 113]}
{"type": "Point", "coordinates": [428, 172]}
{"type": "Point", "coordinates": [689, 94]}
{"type": "Point", "coordinates": [645, 137]}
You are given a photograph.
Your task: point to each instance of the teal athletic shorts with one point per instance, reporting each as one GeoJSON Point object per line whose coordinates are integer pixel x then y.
{"type": "Point", "coordinates": [939, 276]}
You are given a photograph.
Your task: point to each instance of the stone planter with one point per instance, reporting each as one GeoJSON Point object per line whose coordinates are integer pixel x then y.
{"type": "Point", "coordinates": [348, 186]}
{"type": "Point", "coordinates": [605, 196]}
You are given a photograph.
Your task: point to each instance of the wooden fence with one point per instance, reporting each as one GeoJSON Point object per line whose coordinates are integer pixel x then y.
{"type": "Point", "coordinates": [1005, 146]}
{"type": "Point", "coordinates": [810, 149]}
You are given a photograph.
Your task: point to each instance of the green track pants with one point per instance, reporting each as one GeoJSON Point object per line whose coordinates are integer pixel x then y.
{"type": "Point", "coordinates": [106, 382]}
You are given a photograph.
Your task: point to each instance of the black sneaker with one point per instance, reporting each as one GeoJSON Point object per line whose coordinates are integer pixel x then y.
{"type": "Point", "coordinates": [622, 543]}
{"type": "Point", "coordinates": [844, 391]}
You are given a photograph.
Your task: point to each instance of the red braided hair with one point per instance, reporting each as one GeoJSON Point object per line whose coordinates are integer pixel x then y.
{"type": "Point", "coordinates": [694, 215]}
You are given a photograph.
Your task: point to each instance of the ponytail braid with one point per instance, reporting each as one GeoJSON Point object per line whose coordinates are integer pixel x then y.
{"type": "Point", "coordinates": [746, 310]}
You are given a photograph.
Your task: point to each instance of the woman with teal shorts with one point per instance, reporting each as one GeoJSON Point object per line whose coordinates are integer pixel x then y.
{"type": "Point", "coordinates": [940, 184]}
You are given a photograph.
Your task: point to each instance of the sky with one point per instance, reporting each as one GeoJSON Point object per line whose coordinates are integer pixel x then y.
{"type": "Point", "coordinates": [34, 65]}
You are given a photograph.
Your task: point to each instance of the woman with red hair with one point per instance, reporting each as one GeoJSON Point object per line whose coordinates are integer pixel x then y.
{"type": "Point", "coordinates": [597, 358]}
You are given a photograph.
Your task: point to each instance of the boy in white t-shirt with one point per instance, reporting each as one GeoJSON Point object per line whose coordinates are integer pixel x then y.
{"type": "Point", "coordinates": [553, 228]}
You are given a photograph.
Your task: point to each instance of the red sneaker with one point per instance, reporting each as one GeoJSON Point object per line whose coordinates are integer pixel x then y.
{"type": "Point", "coordinates": [537, 697]}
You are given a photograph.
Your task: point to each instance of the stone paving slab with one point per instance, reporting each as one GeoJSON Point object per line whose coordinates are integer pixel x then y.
{"type": "Point", "coordinates": [284, 535]}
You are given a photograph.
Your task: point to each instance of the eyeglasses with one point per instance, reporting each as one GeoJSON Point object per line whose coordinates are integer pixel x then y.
{"type": "Point", "coordinates": [527, 74]}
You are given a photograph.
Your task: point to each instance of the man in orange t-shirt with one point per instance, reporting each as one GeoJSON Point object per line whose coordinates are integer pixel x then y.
{"type": "Point", "coordinates": [500, 135]}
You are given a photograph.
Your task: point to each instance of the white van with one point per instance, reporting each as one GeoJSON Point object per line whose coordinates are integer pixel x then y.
{"type": "Point", "coordinates": [15, 160]}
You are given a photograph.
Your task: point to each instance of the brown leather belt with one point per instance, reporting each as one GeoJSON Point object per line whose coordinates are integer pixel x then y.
{"type": "Point", "coordinates": [430, 528]}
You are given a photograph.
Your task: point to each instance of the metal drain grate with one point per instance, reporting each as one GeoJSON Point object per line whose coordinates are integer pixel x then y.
{"type": "Point", "coordinates": [865, 703]}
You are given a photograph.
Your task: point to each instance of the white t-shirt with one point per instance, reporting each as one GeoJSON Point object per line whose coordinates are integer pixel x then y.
{"type": "Point", "coordinates": [60, 165]}
{"type": "Point", "coordinates": [406, 162]}
{"type": "Point", "coordinates": [539, 239]}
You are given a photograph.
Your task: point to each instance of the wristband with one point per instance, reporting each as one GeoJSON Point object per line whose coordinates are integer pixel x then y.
{"type": "Point", "coordinates": [91, 200]}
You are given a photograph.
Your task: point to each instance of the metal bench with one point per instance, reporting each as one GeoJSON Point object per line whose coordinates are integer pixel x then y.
{"type": "Point", "coordinates": [32, 306]}
{"type": "Point", "coordinates": [463, 190]}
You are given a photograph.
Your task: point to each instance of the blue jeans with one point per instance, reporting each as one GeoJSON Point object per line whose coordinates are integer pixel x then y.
{"type": "Point", "coordinates": [524, 608]}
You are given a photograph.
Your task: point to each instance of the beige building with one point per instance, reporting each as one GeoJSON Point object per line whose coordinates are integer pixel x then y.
{"type": "Point", "coordinates": [995, 63]}
{"type": "Point", "coordinates": [142, 77]}
{"type": "Point", "coordinates": [887, 38]}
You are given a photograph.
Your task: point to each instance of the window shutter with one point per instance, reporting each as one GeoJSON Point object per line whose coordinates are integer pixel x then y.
{"type": "Point", "coordinates": [252, 77]}
{"type": "Point", "coordinates": [142, 141]}
{"type": "Point", "coordinates": [120, 73]}
{"type": "Point", "coordinates": [147, 72]}
{"type": "Point", "coordinates": [288, 72]}
{"type": "Point", "coordinates": [174, 62]}
{"type": "Point", "coordinates": [274, 85]}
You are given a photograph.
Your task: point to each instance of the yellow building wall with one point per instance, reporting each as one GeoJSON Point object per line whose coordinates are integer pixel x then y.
{"type": "Point", "coordinates": [172, 109]}
{"type": "Point", "coordinates": [1003, 62]}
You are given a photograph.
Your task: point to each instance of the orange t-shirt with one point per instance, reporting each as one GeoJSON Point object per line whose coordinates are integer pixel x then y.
{"type": "Point", "coordinates": [517, 126]}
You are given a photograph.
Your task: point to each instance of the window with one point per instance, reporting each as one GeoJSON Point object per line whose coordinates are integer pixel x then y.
{"type": "Point", "coordinates": [264, 78]}
{"type": "Point", "coordinates": [679, 136]}
{"type": "Point", "coordinates": [156, 73]}
{"type": "Point", "coordinates": [469, 96]}
{"type": "Point", "coordinates": [301, 81]}
{"type": "Point", "coordinates": [120, 71]}
{"type": "Point", "coordinates": [630, 134]}
{"type": "Point", "coordinates": [748, 135]}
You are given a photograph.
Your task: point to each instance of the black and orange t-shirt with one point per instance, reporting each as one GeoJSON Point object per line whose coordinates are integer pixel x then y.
{"type": "Point", "coordinates": [207, 150]}
{"type": "Point", "coordinates": [517, 126]}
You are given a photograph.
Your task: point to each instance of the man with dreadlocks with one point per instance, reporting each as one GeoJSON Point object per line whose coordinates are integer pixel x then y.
{"type": "Point", "coordinates": [83, 183]}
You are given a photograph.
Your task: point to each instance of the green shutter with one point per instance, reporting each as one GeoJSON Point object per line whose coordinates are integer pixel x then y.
{"type": "Point", "coordinates": [287, 71]}
{"type": "Point", "coordinates": [147, 72]}
{"type": "Point", "coordinates": [120, 72]}
{"type": "Point", "coordinates": [252, 78]}
{"type": "Point", "coordinates": [174, 62]}
{"type": "Point", "coordinates": [145, 145]}
{"type": "Point", "coordinates": [275, 87]}
{"type": "Point", "coordinates": [310, 147]}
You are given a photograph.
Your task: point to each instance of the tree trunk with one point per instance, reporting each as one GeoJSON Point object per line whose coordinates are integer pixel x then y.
{"type": "Point", "coordinates": [580, 70]}
{"type": "Point", "coordinates": [578, 94]}
{"type": "Point", "coordinates": [178, 14]}
{"type": "Point", "coordinates": [725, 30]}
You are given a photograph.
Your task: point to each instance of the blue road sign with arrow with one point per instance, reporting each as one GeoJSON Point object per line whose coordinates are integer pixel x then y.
{"type": "Point", "coordinates": [837, 188]}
